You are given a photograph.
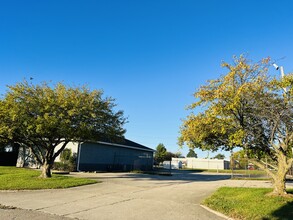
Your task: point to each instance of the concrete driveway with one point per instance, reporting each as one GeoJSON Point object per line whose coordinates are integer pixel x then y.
{"type": "Point", "coordinates": [128, 196]}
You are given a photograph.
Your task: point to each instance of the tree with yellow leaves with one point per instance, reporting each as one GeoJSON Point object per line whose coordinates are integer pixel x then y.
{"type": "Point", "coordinates": [245, 108]}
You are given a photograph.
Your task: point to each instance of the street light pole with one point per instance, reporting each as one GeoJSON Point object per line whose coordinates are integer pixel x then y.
{"type": "Point", "coordinates": [282, 71]}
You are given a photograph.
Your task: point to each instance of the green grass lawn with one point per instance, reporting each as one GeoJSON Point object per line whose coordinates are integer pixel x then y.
{"type": "Point", "coordinates": [12, 178]}
{"type": "Point", "coordinates": [250, 203]}
{"type": "Point", "coordinates": [237, 174]}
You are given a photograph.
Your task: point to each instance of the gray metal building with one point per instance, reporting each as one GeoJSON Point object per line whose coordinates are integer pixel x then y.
{"type": "Point", "coordinates": [122, 156]}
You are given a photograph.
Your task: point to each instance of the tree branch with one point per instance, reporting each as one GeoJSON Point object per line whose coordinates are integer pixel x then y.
{"type": "Point", "coordinates": [60, 150]}
{"type": "Point", "coordinates": [262, 166]}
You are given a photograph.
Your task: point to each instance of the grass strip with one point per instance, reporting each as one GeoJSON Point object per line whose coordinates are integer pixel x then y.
{"type": "Point", "coordinates": [12, 178]}
{"type": "Point", "coordinates": [244, 172]}
{"type": "Point", "coordinates": [250, 203]}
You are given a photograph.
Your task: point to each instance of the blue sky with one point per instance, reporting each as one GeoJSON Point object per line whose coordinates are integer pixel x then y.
{"type": "Point", "coordinates": [150, 55]}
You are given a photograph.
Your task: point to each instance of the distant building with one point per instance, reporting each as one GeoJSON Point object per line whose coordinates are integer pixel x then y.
{"type": "Point", "coordinates": [197, 163]}
{"type": "Point", "coordinates": [125, 155]}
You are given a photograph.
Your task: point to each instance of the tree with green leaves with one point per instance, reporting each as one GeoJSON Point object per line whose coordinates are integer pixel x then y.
{"type": "Point", "coordinates": [219, 157]}
{"type": "Point", "coordinates": [42, 117]}
{"type": "Point", "coordinates": [191, 153]}
{"type": "Point", "coordinates": [160, 153]}
{"type": "Point", "coordinates": [245, 108]}
{"type": "Point", "coordinates": [239, 159]}
{"type": "Point", "coordinates": [67, 161]}
{"type": "Point", "coordinates": [65, 155]}
{"type": "Point", "coordinates": [169, 155]}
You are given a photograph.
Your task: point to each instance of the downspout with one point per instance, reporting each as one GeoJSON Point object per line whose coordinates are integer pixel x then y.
{"type": "Point", "coordinates": [78, 157]}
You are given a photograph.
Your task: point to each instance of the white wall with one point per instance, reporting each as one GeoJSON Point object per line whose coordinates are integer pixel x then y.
{"type": "Point", "coordinates": [197, 163]}
{"type": "Point", "coordinates": [205, 163]}
{"type": "Point", "coordinates": [174, 164]}
{"type": "Point", "coordinates": [71, 145]}
{"type": "Point", "coordinates": [26, 159]}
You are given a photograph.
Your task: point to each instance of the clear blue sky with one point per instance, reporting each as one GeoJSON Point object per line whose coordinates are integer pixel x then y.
{"type": "Point", "coordinates": [150, 55]}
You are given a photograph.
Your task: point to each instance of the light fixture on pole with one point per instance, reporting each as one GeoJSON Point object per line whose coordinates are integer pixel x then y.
{"type": "Point", "coordinates": [276, 66]}
{"type": "Point", "coordinates": [281, 68]}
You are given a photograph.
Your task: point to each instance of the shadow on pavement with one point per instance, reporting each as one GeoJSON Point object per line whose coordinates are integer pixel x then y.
{"type": "Point", "coordinates": [177, 175]}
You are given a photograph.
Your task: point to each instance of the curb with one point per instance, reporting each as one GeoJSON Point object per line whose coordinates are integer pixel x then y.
{"type": "Point", "coordinates": [216, 213]}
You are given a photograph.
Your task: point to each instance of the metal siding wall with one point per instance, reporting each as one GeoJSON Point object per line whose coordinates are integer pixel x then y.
{"type": "Point", "coordinates": [98, 157]}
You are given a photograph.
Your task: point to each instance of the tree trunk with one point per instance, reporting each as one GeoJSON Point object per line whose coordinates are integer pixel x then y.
{"type": "Point", "coordinates": [46, 170]}
{"type": "Point", "coordinates": [280, 177]}
{"type": "Point", "coordinates": [279, 185]}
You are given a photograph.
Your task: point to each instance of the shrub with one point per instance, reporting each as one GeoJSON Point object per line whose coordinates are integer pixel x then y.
{"type": "Point", "coordinates": [64, 166]}
{"type": "Point", "coordinates": [68, 161]}
{"type": "Point", "coordinates": [65, 155]}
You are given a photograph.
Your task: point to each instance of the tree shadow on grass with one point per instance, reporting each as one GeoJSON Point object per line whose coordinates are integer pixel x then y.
{"type": "Point", "coordinates": [286, 211]}
{"type": "Point", "coordinates": [283, 213]}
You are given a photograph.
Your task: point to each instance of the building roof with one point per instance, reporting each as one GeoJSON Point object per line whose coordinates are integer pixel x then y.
{"type": "Point", "coordinates": [126, 144]}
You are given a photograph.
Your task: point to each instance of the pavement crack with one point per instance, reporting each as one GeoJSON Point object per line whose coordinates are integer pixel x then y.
{"type": "Point", "coordinates": [65, 203]}
{"type": "Point", "coordinates": [95, 207]}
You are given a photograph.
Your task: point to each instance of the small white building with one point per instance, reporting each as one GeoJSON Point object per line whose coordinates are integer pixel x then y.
{"type": "Point", "coordinates": [198, 163]}
{"type": "Point", "coordinates": [174, 164]}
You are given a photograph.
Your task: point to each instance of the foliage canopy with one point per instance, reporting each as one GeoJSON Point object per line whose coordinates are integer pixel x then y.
{"type": "Point", "coordinates": [191, 153]}
{"type": "Point", "coordinates": [160, 153]}
{"type": "Point", "coordinates": [245, 108]}
{"type": "Point", "coordinates": [40, 117]}
{"type": "Point", "coordinates": [219, 156]}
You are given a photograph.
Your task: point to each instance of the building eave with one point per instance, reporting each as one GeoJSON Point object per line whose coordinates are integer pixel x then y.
{"type": "Point", "coordinates": [121, 145]}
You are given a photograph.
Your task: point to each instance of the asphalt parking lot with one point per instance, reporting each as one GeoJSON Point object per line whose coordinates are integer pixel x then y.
{"type": "Point", "coordinates": [125, 196]}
